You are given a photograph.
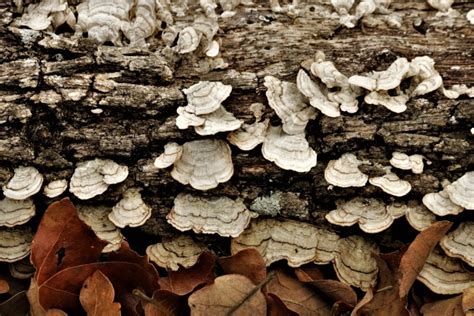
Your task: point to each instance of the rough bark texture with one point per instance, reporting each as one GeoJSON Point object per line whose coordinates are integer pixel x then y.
{"type": "Point", "coordinates": [47, 94]}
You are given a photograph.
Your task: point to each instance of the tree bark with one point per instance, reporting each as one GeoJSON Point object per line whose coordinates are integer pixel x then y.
{"type": "Point", "coordinates": [48, 87]}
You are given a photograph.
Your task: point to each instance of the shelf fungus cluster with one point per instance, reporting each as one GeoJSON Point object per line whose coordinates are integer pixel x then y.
{"type": "Point", "coordinates": [354, 263]}
{"type": "Point", "coordinates": [209, 215]}
{"type": "Point", "coordinates": [331, 93]}
{"type": "Point", "coordinates": [344, 172]}
{"type": "Point", "coordinates": [130, 210]}
{"type": "Point", "coordinates": [203, 164]}
{"type": "Point", "coordinates": [372, 215]}
{"type": "Point", "coordinates": [15, 243]}
{"type": "Point", "coordinates": [407, 162]}
{"type": "Point", "coordinates": [460, 243]}
{"type": "Point", "coordinates": [445, 275]}
{"type": "Point", "coordinates": [300, 243]}
{"type": "Point", "coordinates": [96, 217]}
{"type": "Point", "coordinates": [55, 188]}
{"type": "Point", "coordinates": [26, 181]}
{"type": "Point", "coordinates": [390, 183]}
{"type": "Point", "coordinates": [93, 177]}
{"type": "Point", "coordinates": [297, 243]}
{"type": "Point", "coordinates": [204, 110]}
{"type": "Point", "coordinates": [16, 212]}
{"type": "Point", "coordinates": [349, 16]}
{"type": "Point", "coordinates": [175, 252]}
{"type": "Point", "coordinates": [418, 216]}
{"type": "Point", "coordinates": [48, 14]}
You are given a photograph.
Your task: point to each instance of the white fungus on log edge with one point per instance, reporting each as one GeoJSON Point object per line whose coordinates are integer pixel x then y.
{"type": "Point", "coordinates": [460, 243]}
{"type": "Point", "coordinates": [461, 191]}
{"type": "Point", "coordinates": [390, 183]}
{"type": "Point", "coordinates": [55, 188]}
{"type": "Point", "coordinates": [445, 275]}
{"type": "Point", "coordinates": [175, 252]}
{"type": "Point", "coordinates": [209, 215]}
{"type": "Point", "coordinates": [354, 263]}
{"type": "Point", "coordinates": [130, 210]}
{"type": "Point", "coordinates": [372, 215]}
{"type": "Point", "coordinates": [16, 212]}
{"type": "Point", "coordinates": [418, 216]}
{"type": "Point", "coordinates": [289, 152]}
{"type": "Point", "coordinates": [296, 242]}
{"type": "Point", "coordinates": [344, 172]}
{"type": "Point", "coordinates": [93, 177]}
{"type": "Point", "coordinates": [440, 204]}
{"type": "Point", "coordinates": [96, 217]}
{"type": "Point", "coordinates": [15, 243]}
{"type": "Point", "coordinates": [204, 164]}
{"type": "Point", "coordinates": [26, 181]}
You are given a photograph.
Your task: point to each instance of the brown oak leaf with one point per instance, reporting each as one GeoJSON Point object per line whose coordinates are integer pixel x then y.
{"type": "Point", "coordinates": [248, 262]}
{"type": "Point", "coordinates": [97, 296]}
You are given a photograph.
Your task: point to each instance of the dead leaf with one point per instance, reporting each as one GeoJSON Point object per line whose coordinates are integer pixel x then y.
{"type": "Point", "coordinates": [184, 281]}
{"type": "Point", "coordinates": [15, 305]}
{"type": "Point", "coordinates": [385, 299]}
{"type": "Point", "coordinates": [55, 312]}
{"type": "Point", "coordinates": [166, 303]}
{"type": "Point", "coordinates": [276, 307]}
{"type": "Point", "coordinates": [33, 298]}
{"type": "Point", "coordinates": [449, 307]}
{"type": "Point", "coordinates": [309, 272]}
{"type": "Point", "coordinates": [62, 290]}
{"type": "Point", "coordinates": [62, 240]}
{"type": "Point", "coordinates": [97, 296]}
{"type": "Point", "coordinates": [468, 300]}
{"type": "Point", "coordinates": [4, 287]}
{"type": "Point", "coordinates": [414, 258]}
{"type": "Point", "coordinates": [335, 290]}
{"type": "Point", "coordinates": [229, 294]}
{"type": "Point", "coordinates": [296, 295]}
{"type": "Point", "coordinates": [248, 262]}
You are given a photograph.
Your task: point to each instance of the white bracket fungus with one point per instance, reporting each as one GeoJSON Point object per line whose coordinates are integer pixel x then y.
{"type": "Point", "coordinates": [172, 153]}
{"type": "Point", "coordinates": [144, 23]}
{"type": "Point", "coordinates": [55, 188]}
{"type": "Point", "coordinates": [39, 16]}
{"type": "Point", "coordinates": [372, 215]}
{"type": "Point", "coordinates": [441, 5]}
{"type": "Point", "coordinates": [289, 152]}
{"type": "Point", "coordinates": [425, 77]}
{"type": "Point", "coordinates": [316, 97]}
{"type": "Point", "coordinates": [445, 275]}
{"type": "Point", "coordinates": [188, 40]}
{"type": "Point", "coordinates": [470, 16]}
{"type": "Point", "coordinates": [15, 244]}
{"type": "Point", "coordinates": [103, 20]}
{"type": "Point", "coordinates": [209, 215]}
{"type": "Point", "coordinates": [289, 104]}
{"type": "Point", "coordinates": [344, 172]}
{"type": "Point", "coordinates": [130, 210]}
{"type": "Point", "coordinates": [204, 110]}
{"type": "Point", "coordinates": [174, 252]}
{"type": "Point", "coordinates": [249, 136]}
{"type": "Point", "coordinates": [16, 212]}
{"type": "Point", "coordinates": [96, 217]}
{"type": "Point", "coordinates": [390, 183]}
{"type": "Point", "coordinates": [354, 263]}
{"type": "Point", "coordinates": [419, 217]}
{"type": "Point", "coordinates": [25, 182]}
{"type": "Point", "coordinates": [22, 269]}
{"type": "Point", "coordinates": [204, 164]}
{"type": "Point", "coordinates": [93, 177]}
{"type": "Point", "coordinates": [461, 191]}
{"type": "Point", "coordinates": [296, 242]}
{"type": "Point", "coordinates": [383, 80]}
{"type": "Point", "coordinates": [396, 104]}
{"type": "Point", "coordinates": [405, 162]}
{"type": "Point", "coordinates": [440, 204]}
{"type": "Point", "coordinates": [460, 243]}
{"type": "Point", "coordinates": [459, 89]}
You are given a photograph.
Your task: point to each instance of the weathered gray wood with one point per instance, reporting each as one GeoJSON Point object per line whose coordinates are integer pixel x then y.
{"type": "Point", "coordinates": [47, 94]}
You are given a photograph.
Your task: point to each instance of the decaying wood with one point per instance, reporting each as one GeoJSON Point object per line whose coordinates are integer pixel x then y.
{"type": "Point", "coordinates": [62, 102]}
